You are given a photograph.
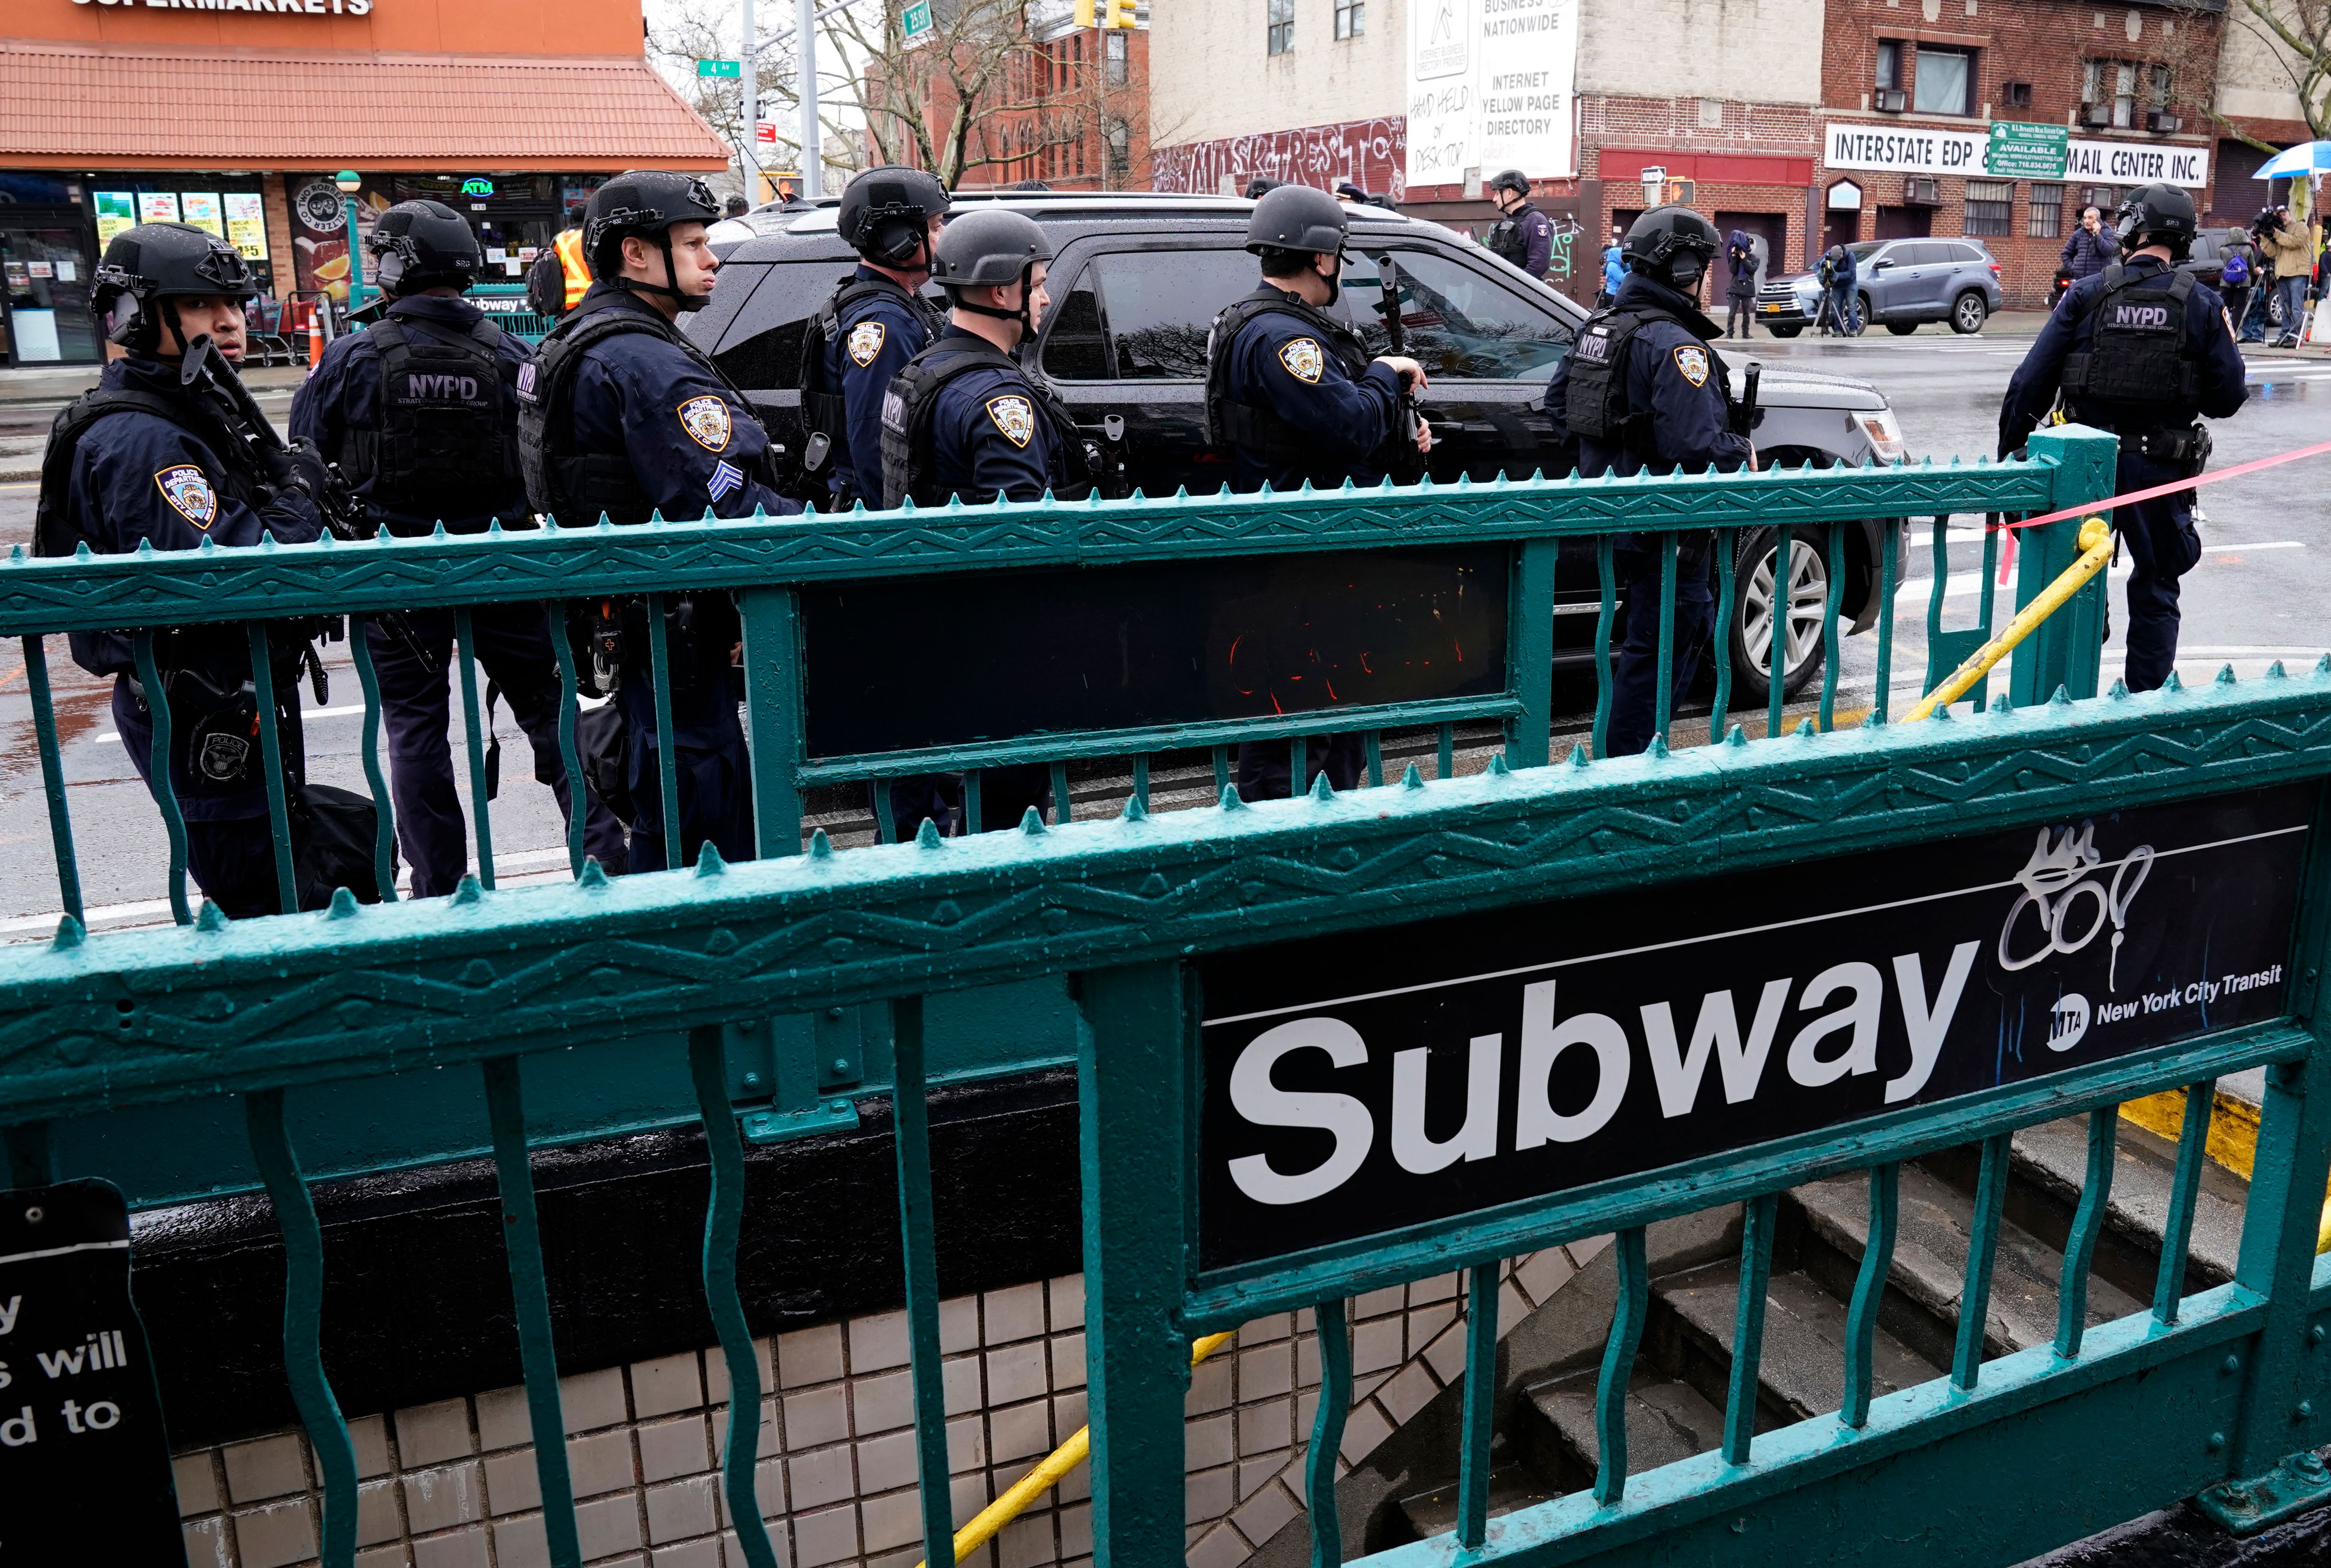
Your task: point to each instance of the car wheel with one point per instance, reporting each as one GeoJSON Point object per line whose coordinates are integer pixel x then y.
{"type": "Point", "coordinates": [1785, 331]}
{"type": "Point", "coordinates": [2274, 307]}
{"type": "Point", "coordinates": [1868, 315]}
{"type": "Point", "coordinates": [1901, 329]}
{"type": "Point", "coordinates": [1968, 312]}
{"type": "Point", "coordinates": [1751, 636]}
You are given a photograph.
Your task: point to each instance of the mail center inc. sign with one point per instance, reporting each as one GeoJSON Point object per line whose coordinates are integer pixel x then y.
{"type": "Point", "coordinates": [1358, 1084]}
{"type": "Point", "coordinates": [1913, 149]}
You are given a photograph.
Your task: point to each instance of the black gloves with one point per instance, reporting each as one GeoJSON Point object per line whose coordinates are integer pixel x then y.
{"type": "Point", "coordinates": [298, 467]}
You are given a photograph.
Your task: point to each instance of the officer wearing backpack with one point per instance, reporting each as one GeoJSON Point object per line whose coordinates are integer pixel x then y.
{"type": "Point", "coordinates": [1293, 395]}
{"type": "Point", "coordinates": [864, 334]}
{"type": "Point", "coordinates": [1641, 390]}
{"type": "Point", "coordinates": [420, 411]}
{"type": "Point", "coordinates": [2140, 349]}
{"type": "Point", "coordinates": [161, 454]}
{"type": "Point", "coordinates": [624, 415]}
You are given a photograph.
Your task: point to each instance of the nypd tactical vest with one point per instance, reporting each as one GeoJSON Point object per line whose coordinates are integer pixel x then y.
{"type": "Point", "coordinates": [560, 481]}
{"type": "Point", "coordinates": [822, 410]}
{"type": "Point", "coordinates": [2138, 354]}
{"type": "Point", "coordinates": [55, 531]}
{"type": "Point", "coordinates": [439, 446]}
{"type": "Point", "coordinates": [1232, 424]}
{"type": "Point", "coordinates": [1507, 240]}
{"type": "Point", "coordinates": [910, 463]}
{"type": "Point", "coordinates": [1596, 407]}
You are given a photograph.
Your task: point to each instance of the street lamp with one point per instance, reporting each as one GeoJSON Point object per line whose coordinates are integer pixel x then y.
{"type": "Point", "coordinates": [350, 182]}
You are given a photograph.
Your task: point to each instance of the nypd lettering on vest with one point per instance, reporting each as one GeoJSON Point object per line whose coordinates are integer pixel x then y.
{"type": "Point", "coordinates": [419, 388]}
{"type": "Point", "coordinates": [2141, 317]}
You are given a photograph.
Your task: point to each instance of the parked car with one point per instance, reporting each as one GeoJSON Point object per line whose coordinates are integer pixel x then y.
{"type": "Point", "coordinates": [1136, 280]}
{"type": "Point", "coordinates": [1903, 283]}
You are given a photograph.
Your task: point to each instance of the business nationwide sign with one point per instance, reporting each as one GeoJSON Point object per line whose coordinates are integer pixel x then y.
{"type": "Point", "coordinates": [1489, 89]}
{"type": "Point", "coordinates": [1360, 1083]}
{"type": "Point", "coordinates": [2027, 152]}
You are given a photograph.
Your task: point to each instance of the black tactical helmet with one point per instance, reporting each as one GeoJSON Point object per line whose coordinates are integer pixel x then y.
{"type": "Point", "coordinates": [2158, 216]}
{"type": "Point", "coordinates": [886, 214]}
{"type": "Point", "coordinates": [1297, 218]}
{"type": "Point", "coordinates": [1512, 180]}
{"type": "Point", "coordinates": [422, 245]}
{"type": "Point", "coordinates": [1673, 245]}
{"type": "Point", "coordinates": [154, 261]}
{"type": "Point", "coordinates": [995, 248]}
{"type": "Point", "coordinates": [647, 203]}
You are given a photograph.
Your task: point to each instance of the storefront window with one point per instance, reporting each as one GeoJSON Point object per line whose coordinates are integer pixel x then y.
{"type": "Point", "coordinates": [2046, 213]}
{"type": "Point", "coordinates": [1990, 208]}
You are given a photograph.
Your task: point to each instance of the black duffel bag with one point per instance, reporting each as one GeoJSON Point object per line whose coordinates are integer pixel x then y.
{"type": "Point", "coordinates": [333, 832]}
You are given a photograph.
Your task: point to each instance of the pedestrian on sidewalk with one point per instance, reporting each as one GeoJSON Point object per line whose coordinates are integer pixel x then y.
{"type": "Point", "coordinates": [1740, 292]}
{"type": "Point", "coordinates": [2091, 248]}
{"type": "Point", "coordinates": [2238, 276]}
{"type": "Point", "coordinates": [2291, 245]}
{"type": "Point", "coordinates": [1841, 301]}
{"type": "Point", "coordinates": [1615, 272]}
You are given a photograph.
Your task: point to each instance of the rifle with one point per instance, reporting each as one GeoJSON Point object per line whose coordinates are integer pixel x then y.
{"type": "Point", "coordinates": [1407, 464]}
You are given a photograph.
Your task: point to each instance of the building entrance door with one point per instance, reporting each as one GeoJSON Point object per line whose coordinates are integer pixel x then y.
{"type": "Point", "coordinates": [46, 271]}
{"type": "Point", "coordinates": [1905, 223]}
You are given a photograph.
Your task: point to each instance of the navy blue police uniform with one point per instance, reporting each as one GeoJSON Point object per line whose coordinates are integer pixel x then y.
{"type": "Point", "coordinates": [623, 415]}
{"type": "Point", "coordinates": [1663, 404]}
{"type": "Point", "coordinates": [877, 326]}
{"type": "Point", "coordinates": [2140, 349]}
{"type": "Point", "coordinates": [146, 460]}
{"type": "Point", "coordinates": [964, 420]}
{"type": "Point", "coordinates": [421, 414]}
{"type": "Point", "coordinates": [1294, 396]}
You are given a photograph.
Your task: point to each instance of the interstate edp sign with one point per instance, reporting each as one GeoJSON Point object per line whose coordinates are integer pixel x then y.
{"type": "Point", "coordinates": [84, 1463]}
{"type": "Point", "coordinates": [1359, 1083]}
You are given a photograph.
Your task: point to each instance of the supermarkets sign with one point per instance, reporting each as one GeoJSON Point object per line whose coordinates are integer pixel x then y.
{"type": "Point", "coordinates": [1912, 149]}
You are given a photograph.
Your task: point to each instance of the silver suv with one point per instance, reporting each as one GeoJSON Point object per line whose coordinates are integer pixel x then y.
{"type": "Point", "coordinates": [1902, 283]}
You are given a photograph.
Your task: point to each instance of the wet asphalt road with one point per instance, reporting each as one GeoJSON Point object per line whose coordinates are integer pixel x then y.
{"type": "Point", "coordinates": [2258, 595]}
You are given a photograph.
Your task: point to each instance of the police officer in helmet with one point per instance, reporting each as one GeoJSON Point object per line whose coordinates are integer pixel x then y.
{"type": "Point", "coordinates": [624, 416]}
{"type": "Point", "coordinates": [966, 419]}
{"type": "Point", "coordinates": [2141, 350]}
{"type": "Point", "coordinates": [1293, 395]}
{"type": "Point", "coordinates": [1640, 390]}
{"type": "Point", "coordinates": [162, 452]}
{"type": "Point", "coordinates": [1524, 235]}
{"type": "Point", "coordinates": [864, 334]}
{"type": "Point", "coordinates": [420, 411]}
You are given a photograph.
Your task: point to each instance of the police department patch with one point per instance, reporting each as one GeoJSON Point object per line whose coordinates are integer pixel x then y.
{"type": "Point", "coordinates": [706, 420]}
{"type": "Point", "coordinates": [866, 342]}
{"type": "Point", "coordinates": [1015, 416]}
{"type": "Point", "coordinates": [187, 490]}
{"type": "Point", "coordinates": [1302, 357]}
{"type": "Point", "coordinates": [1693, 362]}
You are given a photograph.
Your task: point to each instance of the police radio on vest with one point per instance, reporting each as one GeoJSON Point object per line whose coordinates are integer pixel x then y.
{"type": "Point", "coordinates": [281, 7]}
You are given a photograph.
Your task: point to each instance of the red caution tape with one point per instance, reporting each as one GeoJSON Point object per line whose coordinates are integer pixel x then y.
{"type": "Point", "coordinates": [2091, 508]}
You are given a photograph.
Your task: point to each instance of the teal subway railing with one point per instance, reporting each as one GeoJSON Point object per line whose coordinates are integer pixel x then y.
{"type": "Point", "coordinates": [1246, 1147]}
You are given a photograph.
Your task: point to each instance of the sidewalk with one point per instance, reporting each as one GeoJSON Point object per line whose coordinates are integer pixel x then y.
{"type": "Point", "coordinates": [31, 396]}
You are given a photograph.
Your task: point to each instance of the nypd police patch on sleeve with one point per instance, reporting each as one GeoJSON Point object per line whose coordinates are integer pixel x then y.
{"type": "Point", "coordinates": [706, 420]}
{"type": "Point", "coordinates": [1015, 416]}
{"type": "Point", "coordinates": [866, 342]}
{"type": "Point", "coordinates": [1693, 362]}
{"type": "Point", "coordinates": [188, 490]}
{"type": "Point", "coordinates": [1303, 358]}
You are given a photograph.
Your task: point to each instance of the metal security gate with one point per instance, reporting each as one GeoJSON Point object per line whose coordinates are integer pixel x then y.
{"type": "Point", "coordinates": [1703, 975]}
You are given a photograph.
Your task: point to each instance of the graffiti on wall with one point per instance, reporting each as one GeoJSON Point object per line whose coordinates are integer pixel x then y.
{"type": "Point", "coordinates": [1373, 153]}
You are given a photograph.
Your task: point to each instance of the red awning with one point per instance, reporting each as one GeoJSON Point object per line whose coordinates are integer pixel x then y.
{"type": "Point", "coordinates": [67, 107]}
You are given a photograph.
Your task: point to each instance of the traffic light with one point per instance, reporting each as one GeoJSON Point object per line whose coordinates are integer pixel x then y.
{"type": "Point", "coordinates": [1120, 13]}
{"type": "Point", "coordinates": [1084, 13]}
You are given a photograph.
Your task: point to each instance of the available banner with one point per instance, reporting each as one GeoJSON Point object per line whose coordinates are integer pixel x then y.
{"type": "Point", "coordinates": [1360, 1083]}
{"type": "Point", "coordinates": [1913, 149]}
{"type": "Point", "coordinates": [1489, 89]}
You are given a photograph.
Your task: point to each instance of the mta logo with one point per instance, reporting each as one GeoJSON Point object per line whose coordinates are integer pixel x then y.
{"type": "Point", "coordinates": [427, 388]}
{"type": "Point", "coordinates": [2141, 317]}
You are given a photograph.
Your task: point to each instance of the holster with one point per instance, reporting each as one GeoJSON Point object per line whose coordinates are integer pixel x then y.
{"type": "Point", "coordinates": [2188, 448]}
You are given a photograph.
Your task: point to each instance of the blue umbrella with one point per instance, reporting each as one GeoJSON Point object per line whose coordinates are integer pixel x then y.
{"type": "Point", "coordinates": [2308, 157]}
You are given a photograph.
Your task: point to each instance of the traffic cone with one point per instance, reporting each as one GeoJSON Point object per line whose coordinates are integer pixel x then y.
{"type": "Point", "coordinates": [315, 338]}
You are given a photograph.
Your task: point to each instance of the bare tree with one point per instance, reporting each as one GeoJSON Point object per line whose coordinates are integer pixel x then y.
{"type": "Point", "coordinates": [976, 91]}
{"type": "Point", "coordinates": [687, 31]}
{"type": "Point", "coordinates": [2298, 34]}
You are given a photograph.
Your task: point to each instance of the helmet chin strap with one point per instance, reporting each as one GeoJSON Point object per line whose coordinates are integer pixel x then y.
{"type": "Point", "coordinates": [996, 312]}
{"type": "Point", "coordinates": [671, 277]}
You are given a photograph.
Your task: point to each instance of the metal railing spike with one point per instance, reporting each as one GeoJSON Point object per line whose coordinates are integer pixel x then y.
{"type": "Point", "coordinates": [1414, 779]}
{"type": "Point", "coordinates": [821, 847]}
{"type": "Point", "coordinates": [1578, 758]}
{"type": "Point", "coordinates": [926, 837]}
{"type": "Point", "coordinates": [1229, 801]}
{"type": "Point", "coordinates": [2118, 690]}
{"type": "Point", "coordinates": [2275, 671]}
{"type": "Point", "coordinates": [1657, 750]}
{"type": "Point", "coordinates": [1806, 731]}
{"type": "Point", "coordinates": [467, 890]}
{"type": "Point", "coordinates": [211, 919]}
{"type": "Point", "coordinates": [1134, 811]}
{"type": "Point", "coordinates": [70, 934]}
{"type": "Point", "coordinates": [655, 516]}
{"type": "Point", "coordinates": [267, 540]}
{"type": "Point", "coordinates": [2063, 698]}
{"type": "Point", "coordinates": [594, 875]}
{"type": "Point", "coordinates": [494, 525]}
{"type": "Point", "coordinates": [2226, 674]}
{"type": "Point", "coordinates": [708, 863]}
{"type": "Point", "coordinates": [1498, 767]}
{"type": "Point", "coordinates": [1031, 822]}
{"type": "Point", "coordinates": [145, 547]}
{"type": "Point", "coordinates": [439, 531]}
{"type": "Point", "coordinates": [344, 905]}
{"type": "Point", "coordinates": [324, 541]}
{"type": "Point", "coordinates": [605, 522]}
{"type": "Point", "coordinates": [1321, 791]}
{"type": "Point", "coordinates": [208, 547]}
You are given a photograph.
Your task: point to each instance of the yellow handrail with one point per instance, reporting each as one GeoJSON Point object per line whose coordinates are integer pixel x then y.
{"type": "Point", "coordinates": [991, 1519]}
{"type": "Point", "coordinates": [2095, 549]}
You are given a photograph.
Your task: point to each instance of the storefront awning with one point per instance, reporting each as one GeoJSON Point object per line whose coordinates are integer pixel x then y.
{"type": "Point", "coordinates": [62, 107]}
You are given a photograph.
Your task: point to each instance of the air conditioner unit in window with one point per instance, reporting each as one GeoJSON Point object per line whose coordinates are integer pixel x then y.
{"type": "Point", "coordinates": [2096, 114]}
{"type": "Point", "coordinates": [2162, 122]}
{"type": "Point", "coordinates": [1922, 191]}
{"type": "Point", "coordinates": [1890, 100]}
{"type": "Point", "coordinates": [2016, 94]}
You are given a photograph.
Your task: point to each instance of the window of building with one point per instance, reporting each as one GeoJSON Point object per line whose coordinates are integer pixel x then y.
{"type": "Point", "coordinates": [2047, 218]}
{"type": "Point", "coordinates": [1943, 81]}
{"type": "Point", "coordinates": [1280, 25]}
{"type": "Point", "coordinates": [2157, 86]}
{"type": "Point", "coordinates": [1351, 18]}
{"type": "Point", "coordinates": [1889, 62]}
{"type": "Point", "coordinates": [1990, 207]}
{"type": "Point", "coordinates": [1120, 152]}
{"type": "Point", "coordinates": [1115, 44]}
{"type": "Point", "coordinates": [2118, 92]}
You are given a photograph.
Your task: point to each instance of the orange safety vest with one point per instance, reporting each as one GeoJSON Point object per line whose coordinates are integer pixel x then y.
{"type": "Point", "coordinates": [569, 245]}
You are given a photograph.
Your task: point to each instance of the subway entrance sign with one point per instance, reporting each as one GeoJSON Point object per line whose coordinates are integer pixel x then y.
{"type": "Point", "coordinates": [1359, 1083]}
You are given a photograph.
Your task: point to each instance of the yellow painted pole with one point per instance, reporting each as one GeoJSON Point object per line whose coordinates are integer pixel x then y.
{"type": "Point", "coordinates": [1046, 1476]}
{"type": "Point", "coordinates": [2095, 549]}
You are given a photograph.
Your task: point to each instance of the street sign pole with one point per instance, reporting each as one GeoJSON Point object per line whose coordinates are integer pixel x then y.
{"type": "Point", "coordinates": [812, 160]}
{"type": "Point", "coordinates": [748, 153]}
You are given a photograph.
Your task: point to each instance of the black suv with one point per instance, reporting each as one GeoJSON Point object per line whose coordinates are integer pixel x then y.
{"type": "Point", "coordinates": [1137, 277]}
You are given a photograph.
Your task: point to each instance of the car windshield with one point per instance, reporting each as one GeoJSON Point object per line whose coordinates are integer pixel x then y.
{"type": "Point", "coordinates": [1864, 251]}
